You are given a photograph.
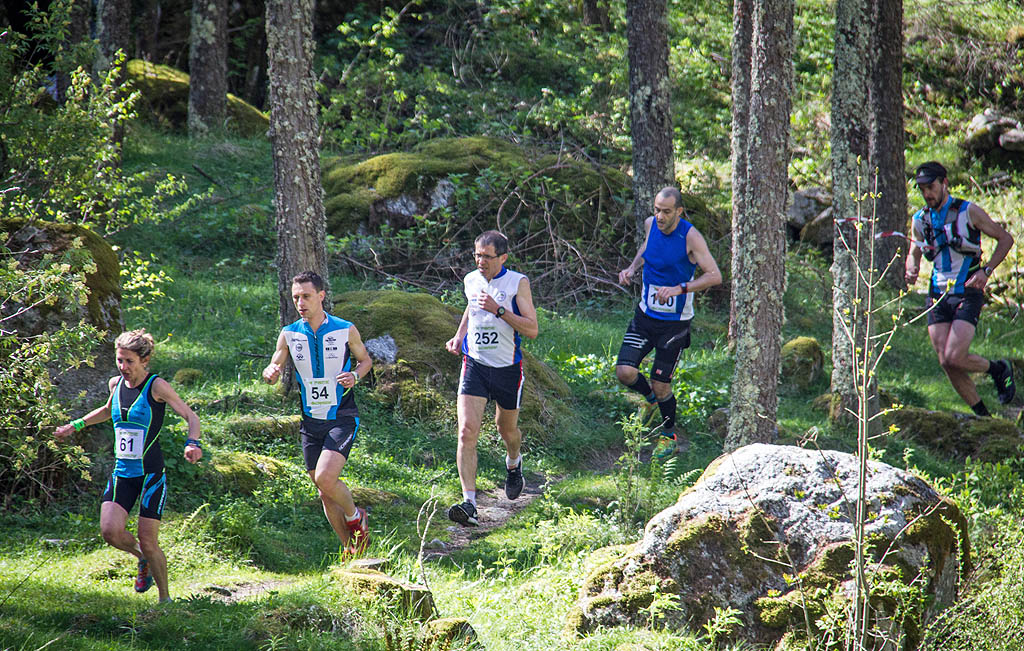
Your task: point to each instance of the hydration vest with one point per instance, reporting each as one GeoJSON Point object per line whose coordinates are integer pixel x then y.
{"type": "Point", "coordinates": [956, 233]}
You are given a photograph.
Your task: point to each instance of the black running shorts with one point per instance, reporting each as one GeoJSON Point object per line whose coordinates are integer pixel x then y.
{"type": "Point", "coordinates": [956, 307]}
{"type": "Point", "coordinates": [126, 490]}
{"type": "Point", "coordinates": [666, 338]}
{"type": "Point", "coordinates": [503, 384]}
{"type": "Point", "coordinates": [337, 435]}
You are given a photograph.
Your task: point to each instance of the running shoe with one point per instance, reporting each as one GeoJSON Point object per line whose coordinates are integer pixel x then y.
{"type": "Point", "coordinates": [514, 481]}
{"type": "Point", "coordinates": [1005, 387]}
{"type": "Point", "coordinates": [647, 413]}
{"type": "Point", "coordinates": [143, 580]}
{"type": "Point", "coordinates": [360, 532]}
{"type": "Point", "coordinates": [666, 447]}
{"type": "Point", "coordinates": [464, 514]}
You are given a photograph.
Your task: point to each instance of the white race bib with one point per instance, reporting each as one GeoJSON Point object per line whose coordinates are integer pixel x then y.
{"type": "Point", "coordinates": [321, 391]}
{"type": "Point", "coordinates": [129, 442]}
{"type": "Point", "coordinates": [667, 306]}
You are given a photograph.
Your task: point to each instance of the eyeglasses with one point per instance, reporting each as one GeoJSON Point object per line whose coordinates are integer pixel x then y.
{"type": "Point", "coordinates": [484, 256]}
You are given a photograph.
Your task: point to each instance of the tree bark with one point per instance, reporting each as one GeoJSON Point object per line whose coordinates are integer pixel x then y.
{"type": "Point", "coordinates": [742, 42]}
{"type": "Point", "coordinates": [887, 139]}
{"type": "Point", "coordinates": [299, 204]}
{"type": "Point", "coordinates": [112, 29]}
{"type": "Point", "coordinates": [759, 233]}
{"type": "Point", "coordinates": [208, 67]}
{"type": "Point", "coordinates": [595, 14]}
{"type": "Point", "coordinates": [850, 136]}
{"type": "Point", "coordinates": [78, 31]}
{"type": "Point", "coordinates": [650, 103]}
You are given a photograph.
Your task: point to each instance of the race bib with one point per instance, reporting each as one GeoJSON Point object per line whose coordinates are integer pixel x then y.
{"type": "Point", "coordinates": [485, 339]}
{"type": "Point", "coordinates": [667, 306]}
{"type": "Point", "coordinates": [129, 442]}
{"type": "Point", "coordinates": [321, 391]}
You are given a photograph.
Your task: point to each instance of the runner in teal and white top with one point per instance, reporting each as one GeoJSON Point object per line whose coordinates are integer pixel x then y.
{"type": "Point", "coordinates": [136, 405]}
{"type": "Point", "coordinates": [322, 349]}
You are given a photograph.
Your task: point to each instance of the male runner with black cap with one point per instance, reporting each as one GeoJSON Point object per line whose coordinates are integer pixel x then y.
{"type": "Point", "coordinates": [947, 231]}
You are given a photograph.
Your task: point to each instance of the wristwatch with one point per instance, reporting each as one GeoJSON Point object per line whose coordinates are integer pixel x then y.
{"type": "Point", "coordinates": [500, 312]}
{"type": "Point", "coordinates": [988, 271]}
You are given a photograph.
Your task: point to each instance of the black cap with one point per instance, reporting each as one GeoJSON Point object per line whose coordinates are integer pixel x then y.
{"type": "Point", "coordinates": [930, 171]}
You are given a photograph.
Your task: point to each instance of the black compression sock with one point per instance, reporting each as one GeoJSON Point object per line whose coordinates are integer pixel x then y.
{"type": "Point", "coordinates": [642, 387]}
{"type": "Point", "coordinates": [667, 406]}
{"type": "Point", "coordinates": [993, 367]}
{"type": "Point", "coordinates": [980, 409]}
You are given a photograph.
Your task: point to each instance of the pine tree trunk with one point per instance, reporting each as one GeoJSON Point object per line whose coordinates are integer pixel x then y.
{"type": "Point", "coordinates": [112, 20]}
{"type": "Point", "coordinates": [887, 140]}
{"type": "Point", "coordinates": [742, 42]}
{"type": "Point", "coordinates": [595, 14]}
{"type": "Point", "coordinates": [649, 102]}
{"type": "Point", "coordinates": [78, 31]}
{"type": "Point", "coordinates": [208, 67]}
{"type": "Point", "coordinates": [298, 191]}
{"type": "Point", "coordinates": [850, 135]}
{"type": "Point", "coordinates": [759, 235]}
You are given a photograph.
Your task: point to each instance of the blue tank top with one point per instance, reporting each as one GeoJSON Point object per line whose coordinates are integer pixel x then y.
{"type": "Point", "coordinates": [137, 418]}
{"type": "Point", "coordinates": [318, 358]}
{"type": "Point", "coordinates": [666, 264]}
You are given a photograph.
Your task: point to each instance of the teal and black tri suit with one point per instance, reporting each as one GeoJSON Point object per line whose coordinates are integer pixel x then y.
{"type": "Point", "coordinates": [662, 326]}
{"type": "Point", "coordinates": [330, 418]}
{"type": "Point", "coordinates": [954, 248]}
{"type": "Point", "coordinates": [139, 469]}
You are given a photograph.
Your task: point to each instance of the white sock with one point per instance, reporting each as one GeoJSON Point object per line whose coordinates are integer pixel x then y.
{"type": "Point", "coordinates": [469, 496]}
{"type": "Point", "coordinates": [512, 463]}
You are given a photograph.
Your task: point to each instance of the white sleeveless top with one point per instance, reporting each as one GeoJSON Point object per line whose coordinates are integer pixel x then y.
{"type": "Point", "coordinates": [490, 340]}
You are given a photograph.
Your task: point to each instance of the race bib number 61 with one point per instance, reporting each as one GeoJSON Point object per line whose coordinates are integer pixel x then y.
{"type": "Point", "coordinates": [128, 442]}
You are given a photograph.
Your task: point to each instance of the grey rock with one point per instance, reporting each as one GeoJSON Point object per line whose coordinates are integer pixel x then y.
{"type": "Point", "coordinates": [383, 349]}
{"type": "Point", "coordinates": [805, 206]}
{"type": "Point", "coordinates": [442, 195]}
{"type": "Point", "coordinates": [1012, 140]}
{"type": "Point", "coordinates": [759, 517]}
{"type": "Point", "coordinates": [984, 131]}
{"type": "Point", "coordinates": [820, 231]}
{"type": "Point", "coordinates": [403, 206]}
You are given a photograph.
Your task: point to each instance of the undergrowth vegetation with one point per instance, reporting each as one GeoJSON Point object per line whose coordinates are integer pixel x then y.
{"type": "Point", "coordinates": [250, 554]}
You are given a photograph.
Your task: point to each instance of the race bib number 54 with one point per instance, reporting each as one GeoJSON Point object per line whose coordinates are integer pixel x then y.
{"type": "Point", "coordinates": [322, 391]}
{"type": "Point", "coordinates": [667, 305]}
{"type": "Point", "coordinates": [128, 442]}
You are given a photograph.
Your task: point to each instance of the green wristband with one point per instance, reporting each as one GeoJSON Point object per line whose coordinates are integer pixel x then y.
{"type": "Point", "coordinates": [79, 424]}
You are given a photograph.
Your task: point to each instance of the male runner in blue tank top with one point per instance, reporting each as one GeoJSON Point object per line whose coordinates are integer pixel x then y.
{"type": "Point", "coordinates": [669, 256]}
{"type": "Point", "coordinates": [136, 405]}
{"type": "Point", "coordinates": [951, 229]}
{"type": "Point", "coordinates": [322, 347]}
{"type": "Point", "coordinates": [500, 309]}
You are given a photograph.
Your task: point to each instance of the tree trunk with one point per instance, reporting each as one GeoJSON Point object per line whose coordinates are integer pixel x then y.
{"type": "Point", "coordinates": [886, 147]}
{"type": "Point", "coordinates": [299, 204]}
{"type": "Point", "coordinates": [850, 135]}
{"type": "Point", "coordinates": [208, 67]}
{"type": "Point", "coordinates": [78, 31]}
{"type": "Point", "coordinates": [595, 14]}
{"type": "Point", "coordinates": [759, 235]}
{"type": "Point", "coordinates": [112, 29]}
{"type": "Point", "coordinates": [649, 102]}
{"type": "Point", "coordinates": [742, 42]}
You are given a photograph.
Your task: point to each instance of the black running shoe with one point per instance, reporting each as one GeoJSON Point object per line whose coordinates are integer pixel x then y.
{"type": "Point", "coordinates": [1005, 387]}
{"type": "Point", "coordinates": [464, 514]}
{"type": "Point", "coordinates": [514, 481]}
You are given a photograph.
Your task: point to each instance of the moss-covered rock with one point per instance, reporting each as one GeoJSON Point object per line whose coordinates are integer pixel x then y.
{"type": "Point", "coordinates": [767, 530]}
{"type": "Point", "coordinates": [186, 377]}
{"type": "Point", "coordinates": [959, 435]}
{"type": "Point", "coordinates": [374, 586]}
{"type": "Point", "coordinates": [802, 362]}
{"type": "Point", "coordinates": [242, 472]}
{"type": "Point", "coordinates": [102, 309]}
{"type": "Point", "coordinates": [263, 429]}
{"type": "Point", "coordinates": [449, 632]}
{"type": "Point", "coordinates": [163, 100]}
{"type": "Point", "coordinates": [424, 380]}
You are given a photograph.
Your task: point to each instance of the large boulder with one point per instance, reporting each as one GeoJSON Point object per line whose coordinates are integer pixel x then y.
{"type": "Point", "coordinates": [804, 207]}
{"type": "Point", "coordinates": [163, 92]}
{"type": "Point", "coordinates": [768, 530]}
{"type": "Point", "coordinates": [86, 385]}
{"type": "Point", "coordinates": [424, 379]}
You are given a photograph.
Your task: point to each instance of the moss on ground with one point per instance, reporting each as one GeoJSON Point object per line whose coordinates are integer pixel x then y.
{"type": "Point", "coordinates": [164, 100]}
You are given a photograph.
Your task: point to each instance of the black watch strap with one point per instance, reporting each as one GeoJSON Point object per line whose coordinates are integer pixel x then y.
{"type": "Point", "coordinates": [988, 270]}
{"type": "Point", "coordinates": [500, 312]}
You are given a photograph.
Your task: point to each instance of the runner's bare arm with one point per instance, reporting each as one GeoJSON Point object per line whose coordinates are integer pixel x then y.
{"type": "Point", "coordinates": [1004, 242]}
{"type": "Point", "coordinates": [95, 416]}
{"type": "Point", "coordinates": [164, 392]}
{"type": "Point", "coordinates": [273, 370]}
{"type": "Point", "coordinates": [454, 345]}
{"type": "Point", "coordinates": [363, 361]}
{"type": "Point", "coordinates": [913, 265]}
{"type": "Point", "coordinates": [626, 275]}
